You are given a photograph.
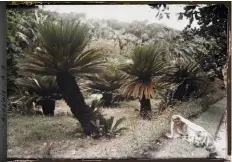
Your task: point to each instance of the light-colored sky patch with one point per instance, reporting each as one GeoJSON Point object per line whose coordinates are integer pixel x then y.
{"type": "Point", "coordinates": [126, 13]}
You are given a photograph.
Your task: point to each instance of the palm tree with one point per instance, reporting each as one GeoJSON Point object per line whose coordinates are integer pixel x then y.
{"type": "Point", "coordinates": [108, 83]}
{"type": "Point", "coordinates": [63, 54]}
{"type": "Point", "coordinates": [189, 79]}
{"type": "Point", "coordinates": [147, 63]}
{"type": "Point", "coordinates": [41, 90]}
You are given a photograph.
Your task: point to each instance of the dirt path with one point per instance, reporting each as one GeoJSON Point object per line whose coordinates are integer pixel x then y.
{"type": "Point", "coordinates": [221, 138]}
{"type": "Point", "coordinates": [210, 120]}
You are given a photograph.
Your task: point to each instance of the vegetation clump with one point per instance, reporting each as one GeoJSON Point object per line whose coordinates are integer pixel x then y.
{"type": "Point", "coordinates": [54, 56]}
{"type": "Point", "coordinates": [41, 91]}
{"type": "Point", "coordinates": [63, 54]}
{"type": "Point", "coordinates": [108, 83]}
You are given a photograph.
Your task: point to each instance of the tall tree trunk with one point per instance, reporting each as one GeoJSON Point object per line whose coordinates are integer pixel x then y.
{"type": "Point", "coordinates": [48, 107]}
{"type": "Point", "coordinates": [145, 108]}
{"type": "Point", "coordinates": [72, 95]}
{"type": "Point", "coordinates": [180, 92]}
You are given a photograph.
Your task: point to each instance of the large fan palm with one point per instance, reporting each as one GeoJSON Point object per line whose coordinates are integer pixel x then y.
{"type": "Point", "coordinates": [147, 63]}
{"type": "Point", "coordinates": [41, 90]}
{"type": "Point", "coordinates": [63, 54]}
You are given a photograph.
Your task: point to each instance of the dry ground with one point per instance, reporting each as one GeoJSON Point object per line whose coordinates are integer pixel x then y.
{"type": "Point", "coordinates": [60, 136]}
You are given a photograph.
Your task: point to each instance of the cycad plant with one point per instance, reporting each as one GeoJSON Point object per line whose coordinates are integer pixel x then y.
{"type": "Point", "coordinates": [41, 90]}
{"type": "Point", "coordinates": [147, 63]}
{"type": "Point", "coordinates": [63, 54]}
{"type": "Point", "coordinates": [111, 128]}
{"type": "Point", "coordinates": [108, 83]}
{"type": "Point", "coordinates": [189, 79]}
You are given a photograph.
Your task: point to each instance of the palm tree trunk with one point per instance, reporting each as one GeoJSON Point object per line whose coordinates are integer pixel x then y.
{"type": "Point", "coordinates": [72, 95]}
{"type": "Point", "coordinates": [145, 108]}
{"type": "Point", "coordinates": [48, 107]}
{"type": "Point", "coordinates": [107, 98]}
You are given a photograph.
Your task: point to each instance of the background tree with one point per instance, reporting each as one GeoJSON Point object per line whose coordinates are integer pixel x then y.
{"type": "Point", "coordinates": [212, 21]}
{"type": "Point", "coordinates": [13, 47]}
{"type": "Point", "coordinates": [21, 36]}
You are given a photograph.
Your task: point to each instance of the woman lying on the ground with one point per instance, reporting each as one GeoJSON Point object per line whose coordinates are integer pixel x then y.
{"type": "Point", "coordinates": [194, 134]}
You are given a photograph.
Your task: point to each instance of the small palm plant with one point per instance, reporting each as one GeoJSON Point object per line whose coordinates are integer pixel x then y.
{"type": "Point", "coordinates": [111, 128]}
{"type": "Point", "coordinates": [64, 54]}
{"type": "Point", "coordinates": [147, 63]}
{"type": "Point", "coordinates": [108, 82]}
{"type": "Point", "coordinates": [41, 90]}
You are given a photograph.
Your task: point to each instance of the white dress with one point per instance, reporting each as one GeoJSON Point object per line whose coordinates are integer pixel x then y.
{"type": "Point", "coordinates": [194, 134]}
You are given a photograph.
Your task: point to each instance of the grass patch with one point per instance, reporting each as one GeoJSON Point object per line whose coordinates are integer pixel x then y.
{"type": "Point", "coordinates": [27, 129]}
{"type": "Point", "coordinates": [61, 137]}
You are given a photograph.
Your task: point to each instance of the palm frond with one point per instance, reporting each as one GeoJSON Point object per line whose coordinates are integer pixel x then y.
{"type": "Point", "coordinates": [109, 123]}
{"type": "Point", "coordinates": [111, 129]}
{"type": "Point", "coordinates": [137, 88]}
{"type": "Point", "coordinates": [109, 80]}
{"type": "Point", "coordinates": [38, 87]}
{"type": "Point", "coordinates": [117, 123]}
{"type": "Point", "coordinates": [120, 130]}
{"type": "Point", "coordinates": [147, 63]}
{"type": "Point", "coordinates": [63, 47]}
{"type": "Point", "coordinates": [107, 83]}
{"type": "Point", "coordinates": [188, 79]}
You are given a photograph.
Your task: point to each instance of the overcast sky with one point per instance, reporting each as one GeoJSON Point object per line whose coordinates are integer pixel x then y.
{"type": "Point", "coordinates": [124, 13]}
